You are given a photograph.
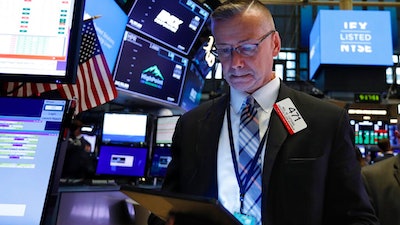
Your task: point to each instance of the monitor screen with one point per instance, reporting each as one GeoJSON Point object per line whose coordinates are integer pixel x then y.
{"type": "Point", "coordinates": [160, 159]}
{"type": "Point", "coordinates": [350, 37]}
{"type": "Point", "coordinates": [394, 141]}
{"type": "Point", "coordinates": [124, 128]}
{"type": "Point", "coordinates": [192, 89]}
{"type": "Point", "coordinates": [30, 136]}
{"type": "Point", "coordinates": [40, 40]}
{"type": "Point", "coordinates": [110, 26]}
{"type": "Point", "coordinates": [174, 23]}
{"type": "Point", "coordinates": [92, 139]}
{"type": "Point", "coordinates": [369, 132]}
{"type": "Point", "coordinates": [121, 160]}
{"type": "Point", "coordinates": [149, 70]}
{"type": "Point", "coordinates": [203, 60]}
{"type": "Point", "coordinates": [165, 129]}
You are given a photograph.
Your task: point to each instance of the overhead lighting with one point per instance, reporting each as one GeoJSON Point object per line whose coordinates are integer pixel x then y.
{"type": "Point", "coordinates": [379, 112]}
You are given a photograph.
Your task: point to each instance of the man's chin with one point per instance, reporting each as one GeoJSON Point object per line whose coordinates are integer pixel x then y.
{"type": "Point", "coordinates": [242, 87]}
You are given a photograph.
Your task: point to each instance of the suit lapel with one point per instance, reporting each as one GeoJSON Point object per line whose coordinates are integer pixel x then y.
{"type": "Point", "coordinates": [276, 136]}
{"type": "Point", "coordinates": [210, 125]}
{"type": "Point", "coordinates": [209, 128]}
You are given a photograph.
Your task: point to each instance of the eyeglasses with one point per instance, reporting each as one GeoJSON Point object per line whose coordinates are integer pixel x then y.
{"type": "Point", "coordinates": [225, 51]}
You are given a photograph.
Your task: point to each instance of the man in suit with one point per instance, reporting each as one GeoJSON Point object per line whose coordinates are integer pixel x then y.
{"type": "Point", "coordinates": [385, 148]}
{"type": "Point", "coordinates": [79, 163]}
{"type": "Point", "coordinates": [382, 181]}
{"type": "Point", "coordinates": [310, 174]}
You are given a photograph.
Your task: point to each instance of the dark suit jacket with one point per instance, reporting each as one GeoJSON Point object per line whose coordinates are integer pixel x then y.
{"type": "Point", "coordinates": [310, 178]}
{"type": "Point", "coordinates": [382, 180]}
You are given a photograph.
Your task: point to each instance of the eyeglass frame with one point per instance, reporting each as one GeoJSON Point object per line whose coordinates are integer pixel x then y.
{"type": "Point", "coordinates": [214, 50]}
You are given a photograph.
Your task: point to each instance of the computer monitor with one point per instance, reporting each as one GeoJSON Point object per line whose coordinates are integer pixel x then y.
{"type": "Point", "coordinates": [174, 23]}
{"type": "Point", "coordinates": [124, 128]}
{"type": "Point", "coordinates": [122, 161]}
{"type": "Point", "coordinates": [31, 131]}
{"type": "Point", "coordinates": [92, 139]}
{"type": "Point", "coordinates": [148, 71]}
{"type": "Point", "coordinates": [110, 26]}
{"type": "Point", "coordinates": [40, 40]}
{"type": "Point", "coordinates": [165, 128]}
{"type": "Point", "coordinates": [369, 132]}
{"type": "Point", "coordinates": [192, 89]}
{"type": "Point", "coordinates": [160, 158]}
{"type": "Point", "coordinates": [203, 60]}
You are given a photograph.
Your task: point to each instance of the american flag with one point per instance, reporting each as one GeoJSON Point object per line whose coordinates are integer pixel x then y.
{"type": "Point", "coordinates": [22, 89]}
{"type": "Point", "coordinates": [94, 85]}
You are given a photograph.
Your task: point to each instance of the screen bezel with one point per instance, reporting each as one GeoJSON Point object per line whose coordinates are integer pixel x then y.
{"type": "Point", "coordinates": [72, 55]}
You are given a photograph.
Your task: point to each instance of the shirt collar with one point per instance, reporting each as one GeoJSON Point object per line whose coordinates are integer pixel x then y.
{"type": "Point", "coordinates": [265, 96]}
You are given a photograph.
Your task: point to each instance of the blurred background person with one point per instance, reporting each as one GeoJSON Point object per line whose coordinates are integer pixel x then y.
{"type": "Point", "coordinates": [78, 163]}
{"type": "Point", "coordinates": [385, 149]}
{"type": "Point", "coordinates": [382, 181]}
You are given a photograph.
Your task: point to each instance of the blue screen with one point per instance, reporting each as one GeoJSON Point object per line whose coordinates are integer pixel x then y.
{"type": "Point", "coordinates": [122, 161]}
{"type": "Point", "coordinates": [349, 37]}
{"type": "Point", "coordinates": [30, 132]}
{"type": "Point", "coordinates": [159, 162]}
{"type": "Point", "coordinates": [192, 90]}
{"type": "Point", "coordinates": [110, 26]}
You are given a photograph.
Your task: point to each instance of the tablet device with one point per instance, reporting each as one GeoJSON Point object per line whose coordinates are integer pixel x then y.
{"type": "Point", "coordinates": [163, 203]}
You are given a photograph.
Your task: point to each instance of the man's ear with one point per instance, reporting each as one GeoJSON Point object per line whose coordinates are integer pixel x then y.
{"type": "Point", "coordinates": [277, 43]}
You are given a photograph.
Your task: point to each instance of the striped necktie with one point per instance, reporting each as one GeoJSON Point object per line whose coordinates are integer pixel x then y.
{"type": "Point", "coordinates": [249, 166]}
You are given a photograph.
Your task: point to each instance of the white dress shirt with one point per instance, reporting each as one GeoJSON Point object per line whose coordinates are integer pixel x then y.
{"type": "Point", "coordinates": [228, 187]}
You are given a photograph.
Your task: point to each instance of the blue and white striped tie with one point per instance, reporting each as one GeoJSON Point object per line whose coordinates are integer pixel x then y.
{"type": "Point", "coordinates": [249, 141]}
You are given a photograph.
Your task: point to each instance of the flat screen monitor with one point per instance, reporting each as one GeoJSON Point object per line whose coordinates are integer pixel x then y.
{"type": "Point", "coordinates": [110, 26]}
{"type": "Point", "coordinates": [124, 128]}
{"type": "Point", "coordinates": [203, 60]}
{"type": "Point", "coordinates": [149, 71]}
{"type": "Point", "coordinates": [165, 128]}
{"type": "Point", "coordinates": [350, 38]}
{"type": "Point", "coordinates": [30, 135]}
{"type": "Point", "coordinates": [174, 23]}
{"type": "Point", "coordinates": [394, 141]}
{"type": "Point", "coordinates": [40, 40]}
{"type": "Point", "coordinates": [161, 157]}
{"type": "Point", "coordinates": [122, 161]}
{"type": "Point", "coordinates": [369, 132]}
{"type": "Point", "coordinates": [92, 139]}
{"type": "Point", "coordinates": [192, 89]}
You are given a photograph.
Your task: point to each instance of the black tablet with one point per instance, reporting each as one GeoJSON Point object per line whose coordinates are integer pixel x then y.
{"type": "Point", "coordinates": [163, 203]}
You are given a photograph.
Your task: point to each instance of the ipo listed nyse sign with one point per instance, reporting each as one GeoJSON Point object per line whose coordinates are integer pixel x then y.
{"type": "Point", "coordinates": [349, 37]}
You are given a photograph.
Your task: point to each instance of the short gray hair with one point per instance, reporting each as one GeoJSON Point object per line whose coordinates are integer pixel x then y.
{"type": "Point", "coordinates": [231, 8]}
